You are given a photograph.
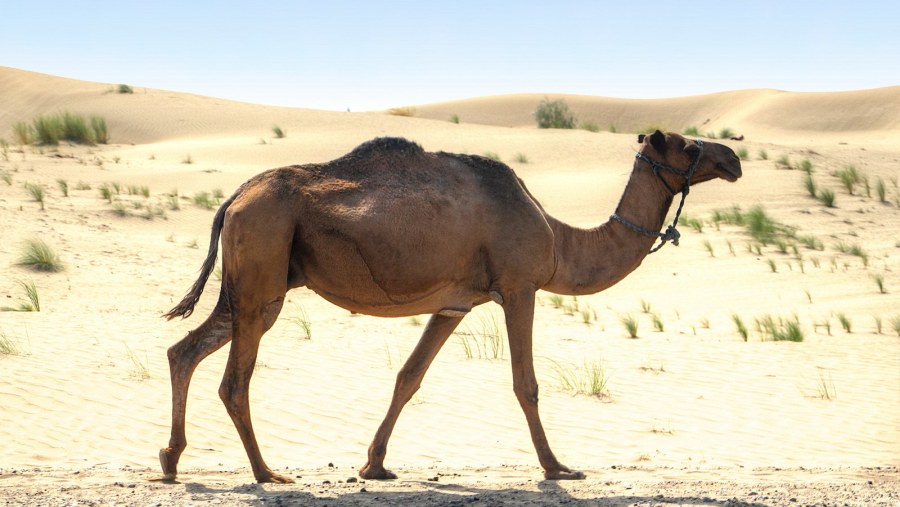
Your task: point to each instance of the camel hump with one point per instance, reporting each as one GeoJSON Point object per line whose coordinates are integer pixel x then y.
{"type": "Point", "coordinates": [385, 145]}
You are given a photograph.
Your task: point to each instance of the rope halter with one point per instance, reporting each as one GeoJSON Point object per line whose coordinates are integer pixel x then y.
{"type": "Point", "coordinates": [671, 233]}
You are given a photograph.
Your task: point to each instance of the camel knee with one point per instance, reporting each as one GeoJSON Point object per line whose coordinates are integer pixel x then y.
{"type": "Point", "coordinates": [271, 311]}
{"type": "Point", "coordinates": [232, 395]}
{"type": "Point", "coordinates": [526, 393]}
{"type": "Point", "coordinates": [408, 381]}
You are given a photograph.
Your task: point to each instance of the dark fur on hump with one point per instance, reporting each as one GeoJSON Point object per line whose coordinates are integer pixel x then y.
{"type": "Point", "coordinates": [384, 145]}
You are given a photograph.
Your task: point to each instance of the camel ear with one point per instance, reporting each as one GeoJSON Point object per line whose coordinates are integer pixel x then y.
{"type": "Point", "coordinates": [641, 138]}
{"type": "Point", "coordinates": [658, 141]}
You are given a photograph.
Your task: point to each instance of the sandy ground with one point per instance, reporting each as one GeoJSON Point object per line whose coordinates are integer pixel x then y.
{"type": "Point", "coordinates": [691, 415]}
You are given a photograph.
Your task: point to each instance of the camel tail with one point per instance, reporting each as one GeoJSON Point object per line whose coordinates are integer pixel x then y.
{"type": "Point", "coordinates": [186, 307]}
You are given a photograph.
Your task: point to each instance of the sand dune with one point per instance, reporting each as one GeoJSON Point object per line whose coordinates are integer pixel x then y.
{"type": "Point", "coordinates": [691, 411]}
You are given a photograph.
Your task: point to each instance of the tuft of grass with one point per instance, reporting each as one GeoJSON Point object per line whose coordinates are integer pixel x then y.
{"type": "Point", "coordinates": [741, 328]}
{"type": "Point", "coordinates": [772, 265]}
{"type": "Point", "coordinates": [99, 130]}
{"type": "Point", "coordinates": [709, 248]}
{"type": "Point", "coordinates": [63, 186]}
{"type": "Point", "coordinates": [849, 177]}
{"type": "Point", "coordinates": [826, 196]}
{"type": "Point", "coordinates": [106, 192]}
{"type": "Point", "coordinates": [23, 133]}
{"type": "Point", "coordinates": [124, 88]}
{"type": "Point", "coordinates": [658, 323]}
{"type": "Point", "coordinates": [521, 158]}
{"type": "Point", "coordinates": [743, 153]}
{"type": "Point", "coordinates": [645, 306]}
{"type": "Point", "coordinates": [204, 200]}
{"type": "Point", "coordinates": [554, 114]}
{"type": "Point", "coordinates": [881, 190]}
{"type": "Point", "coordinates": [763, 155]}
{"type": "Point", "coordinates": [783, 162]}
{"type": "Point", "coordinates": [278, 131]}
{"type": "Point", "coordinates": [33, 303]}
{"type": "Point", "coordinates": [492, 155]}
{"type": "Point", "coordinates": [39, 256]}
{"type": "Point", "coordinates": [805, 166]}
{"type": "Point", "coordinates": [825, 388]}
{"type": "Point", "coordinates": [454, 118]}
{"type": "Point", "coordinates": [691, 131]}
{"type": "Point", "coordinates": [139, 369]}
{"type": "Point", "coordinates": [810, 185]}
{"type": "Point", "coordinates": [726, 133]}
{"type": "Point", "coordinates": [37, 193]}
{"type": "Point", "coordinates": [557, 300]}
{"type": "Point", "coordinates": [589, 125]}
{"type": "Point", "coordinates": [590, 379]}
{"type": "Point", "coordinates": [8, 346]}
{"type": "Point", "coordinates": [780, 329]}
{"type": "Point", "coordinates": [303, 322]}
{"type": "Point", "coordinates": [484, 338]}
{"type": "Point", "coordinates": [631, 325]}
{"type": "Point", "coordinates": [6, 177]}
{"type": "Point", "coordinates": [845, 322]}
{"type": "Point", "coordinates": [879, 281]}
{"type": "Point", "coordinates": [895, 324]}
{"type": "Point", "coordinates": [187, 159]}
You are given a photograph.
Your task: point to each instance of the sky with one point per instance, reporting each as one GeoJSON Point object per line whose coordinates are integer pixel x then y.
{"type": "Point", "coordinates": [368, 55]}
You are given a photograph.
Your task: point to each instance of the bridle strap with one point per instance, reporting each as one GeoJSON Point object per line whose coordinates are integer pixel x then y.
{"type": "Point", "coordinates": [671, 233]}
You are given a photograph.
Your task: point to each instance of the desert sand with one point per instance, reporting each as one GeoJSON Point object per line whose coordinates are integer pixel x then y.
{"type": "Point", "coordinates": [690, 415]}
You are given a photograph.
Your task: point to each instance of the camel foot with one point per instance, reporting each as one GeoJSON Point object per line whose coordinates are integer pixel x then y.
{"type": "Point", "coordinates": [376, 473]}
{"type": "Point", "coordinates": [564, 474]}
{"type": "Point", "coordinates": [271, 477]}
{"type": "Point", "coordinates": [168, 463]}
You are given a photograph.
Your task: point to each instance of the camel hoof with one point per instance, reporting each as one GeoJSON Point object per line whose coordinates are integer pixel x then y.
{"type": "Point", "coordinates": [169, 470]}
{"type": "Point", "coordinates": [565, 475]}
{"type": "Point", "coordinates": [376, 474]}
{"type": "Point", "coordinates": [273, 478]}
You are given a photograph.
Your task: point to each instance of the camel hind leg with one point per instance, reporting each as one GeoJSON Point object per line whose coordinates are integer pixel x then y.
{"type": "Point", "coordinates": [184, 357]}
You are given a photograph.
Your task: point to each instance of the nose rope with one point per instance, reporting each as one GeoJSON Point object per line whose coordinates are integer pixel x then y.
{"type": "Point", "coordinates": [671, 233]}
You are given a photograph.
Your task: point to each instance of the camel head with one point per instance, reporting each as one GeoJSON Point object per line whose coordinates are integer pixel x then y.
{"type": "Point", "coordinates": [676, 156]}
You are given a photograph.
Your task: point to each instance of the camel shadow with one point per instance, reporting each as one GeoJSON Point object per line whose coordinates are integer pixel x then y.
{"type": "Point", "coordinates": [435, 494]}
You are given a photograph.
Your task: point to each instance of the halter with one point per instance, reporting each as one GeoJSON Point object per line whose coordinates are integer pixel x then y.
{"type": "Point", "coordinates": [671, 233]}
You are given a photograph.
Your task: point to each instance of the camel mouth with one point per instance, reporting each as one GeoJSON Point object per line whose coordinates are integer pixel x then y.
{"type": "Point", "coordinates": [729, 173]}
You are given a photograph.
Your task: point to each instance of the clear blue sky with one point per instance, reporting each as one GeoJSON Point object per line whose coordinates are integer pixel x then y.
{"type": "Point", "coordinates": [339, 54]}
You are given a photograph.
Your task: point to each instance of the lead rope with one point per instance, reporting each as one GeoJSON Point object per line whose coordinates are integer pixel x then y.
{"type": "Point", "coordinates": [671, 233]}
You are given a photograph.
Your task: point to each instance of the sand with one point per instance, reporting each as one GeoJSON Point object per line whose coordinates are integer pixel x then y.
{"type": "Point", "coordinates": [691, 415]}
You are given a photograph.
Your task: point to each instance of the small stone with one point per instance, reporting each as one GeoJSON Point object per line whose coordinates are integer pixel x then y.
{"type": "Point", "coordinates": [363, 490]}
{"type": "Point", "coordinates": [351, 480]}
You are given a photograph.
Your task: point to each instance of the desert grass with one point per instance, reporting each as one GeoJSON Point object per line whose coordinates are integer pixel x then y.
{"type": "Point", "coordinates": [762, 155]}
{"type": "Point", "coordinates": [187, 159]}
{"type": "Point", "coordinates": [826, 197]}
{"type": "Point", "coordinates": [825, 388]}
{"type": "Point", "coordinates": [709, 248]}
{"type": "Point", "coordinates": [493, 155]}
{"type": "Point", "coordinates": [658, 323]}
{"type": "Point", "coordinates": [743, 153]}
{"type": "Point", "coordinates": [63, 186]}
{"type": "Point", "coordinates": [454, 118]}
{"type": "Point", "coordinates": [23, 133]}
{"type": "Point", "coordinates": [557, 300]}
{"type": "Point", "coordinates": [124, 89]}
{"type": "Point", "coordinates": [772, 265]}
{"type": "Point", "coordinates": [278, 132]}
{"type": "Point", "coordinates": [895, 324]}
{"type": "Point", "coordinates": [691, 131]}
{"type": "Point", "coordinates": [849, 178]}
{"type": "Point", "coordinates": [741, 327]}
{"type": "Point", "coordinates": [879, 325]}
{"type": "Point", "coordinates": [779, 329]}
{"type": "Point", "coordinates": [36, 192]}
{"type": "Point", "coordinates": [139, 369]}
{"type": "Point", "coordinates": [33, 299]}
{"type": "Point", "coordinates": [173, 202]}
{"type": "Point", "coordinates": [7, 178]}
{"type": "Point", "coordinates": [554, 114]}
{"type": "Point", "coordinates": [630, 324]}
{"type": "Point", "coordinates": [521, 158]}
{"type": "Point", "coordinates": [645, 306]}
{"type": "Point", "coordinates": [484, 338]}
{"type": "Point", "coordinates": [879, 281]}
{"type": "Point", "coordinates": [846, 323]}
{"type": "Point", "coordinates": [783, 162]}
{"type": "Point", "coordinates": [726, 133]}
{"type": "Point", "coordinates": [39, 256]}
{"type": "Point", "coordinates": [302, 321]}
{"type": "Point", "coordinates": [590, 126]}
{"type": "Point", "coordinates": [100, 130]}
{"type": "Point", "coordinates": [810, 185]}
{"type": "Point", "coordinates": [205, 200]}
{"type": "Point", "coordinates": [106, 192]}
{"type": "Point", "coordinates": [8, 346]}
{"type": "Point", "coordinates": [590, 379]}
{"type": "Point", "coordinates": [881, 190]}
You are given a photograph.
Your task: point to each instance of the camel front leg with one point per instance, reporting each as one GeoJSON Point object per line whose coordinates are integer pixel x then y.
{"type": "Point", "coordinates": [519, 310]}
{"type": "Point", "coordinates": [409, 378]}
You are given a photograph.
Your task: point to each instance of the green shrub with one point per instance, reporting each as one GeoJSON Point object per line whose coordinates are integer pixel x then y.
{"type": "Point", "coordinates": [22, 133]}
{"type": "Point", "coordinates": [763, 155]}
{"type": "Point", "coordinates": [691, 131]}
{"type": "Point", "coordinates": [48, 129]}
{"type": "Point", "coordinates": [124, 88]}
{"type": "Point", "coordinates": [39, 256]}
{"type": "Point", "coordinates": [279, 133]}
{"type": "Point", "coordinates": [849, 177]}
{"type": "Point", "coordinates": [881, 190]}
{"type": "Point", "coordinates": [99, 130]}
{"type": "Point", "coordinates": [590, 126]}
{"type": "Point", "coordinates": [726, 133]}
{"type": "Point", "coordinates": [554, 114]}
{"type": "Point", "coordinates": [826, 196]}
{"type": "Point", "coordinates": [743, 154]}
{"type": "Point", "coordinates": [809, 184]}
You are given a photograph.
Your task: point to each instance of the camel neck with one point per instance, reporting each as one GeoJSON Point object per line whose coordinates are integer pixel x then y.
{"type": "Point", "coordinates": [591, 260]}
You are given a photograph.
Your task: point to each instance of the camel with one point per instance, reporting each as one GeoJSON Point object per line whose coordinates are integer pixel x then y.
{"type": "Point", "coordinates": [392, 230]}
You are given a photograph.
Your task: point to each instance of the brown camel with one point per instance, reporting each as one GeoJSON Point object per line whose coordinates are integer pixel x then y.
{"type": "Point", "coordinates": [391, 230]}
